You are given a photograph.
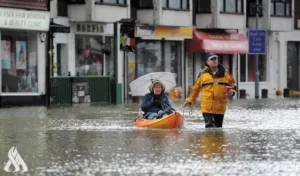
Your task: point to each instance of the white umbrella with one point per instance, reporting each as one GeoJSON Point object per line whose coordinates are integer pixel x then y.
{"type": "Point", "coordinates": [140, 86]}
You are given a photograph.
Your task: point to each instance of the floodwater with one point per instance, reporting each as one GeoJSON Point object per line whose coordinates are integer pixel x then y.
{"type": "Point", "coordinates": [260, 137]}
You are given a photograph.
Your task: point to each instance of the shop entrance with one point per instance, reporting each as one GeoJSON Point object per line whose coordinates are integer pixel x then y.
{"type": "Point", "coordinates": [293, 65]}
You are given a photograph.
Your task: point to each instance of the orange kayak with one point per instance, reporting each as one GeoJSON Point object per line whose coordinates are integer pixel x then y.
{"type": "Point", "coordinates": [173, 120]}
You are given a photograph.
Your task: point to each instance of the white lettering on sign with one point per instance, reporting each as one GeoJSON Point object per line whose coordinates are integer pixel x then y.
{"type": "Point", "coordinates": [143, 32]}
{"type": "Point", "coordinates": [228, 45]}
{"type": "Point", "coordinates": [23, 19]}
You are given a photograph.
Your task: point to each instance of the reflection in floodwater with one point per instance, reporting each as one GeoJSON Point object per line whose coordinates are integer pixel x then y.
{"type": "Point", "coordinates": [258, 138]}
{"type": "Point", "coordinates": [208, 144]}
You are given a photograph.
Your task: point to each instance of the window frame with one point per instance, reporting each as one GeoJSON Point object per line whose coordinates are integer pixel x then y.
{"type": "Point", "coordinates": [112, 4]}
{"type": "Point", "coordinates": [223, 10]}
{"type": "Point", "coordinates": [285, 2]}
{"type": "Point", "coordinates": [181, 4]}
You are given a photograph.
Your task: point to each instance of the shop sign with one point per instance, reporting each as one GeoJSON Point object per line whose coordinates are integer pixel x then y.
{"type": "Point", "coordinates": [89, 28]}
{"type": "Point", "coordinates": [24, 19]}
{"type": "Point", "coordinates": [163, 31]}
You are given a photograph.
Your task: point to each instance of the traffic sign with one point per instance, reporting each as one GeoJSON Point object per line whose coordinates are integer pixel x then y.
{"type": "Point", "coordinates": [257, 41]}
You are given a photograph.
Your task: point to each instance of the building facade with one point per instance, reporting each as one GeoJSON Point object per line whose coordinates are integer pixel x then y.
{"type": "Point", "coordinates": [232, 18]}
{"type": "Point", "coordinates": [277, 18]}
{"type": "Point", "coordinates": [82, 52]}
{"type": "Point", "coordinates": [174, 35]}
{"type": "Point", "coordinates": [23, 31]}
{"type": "Point", "coordinates": [160, 38]}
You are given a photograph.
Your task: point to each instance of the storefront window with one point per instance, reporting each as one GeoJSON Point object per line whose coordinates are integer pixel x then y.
{"type": "Point", "coordinates": [250, 64]}
{"type": "Point", "coordinates": [19, 61]}
{"type": "Point", "coordinates": [131, 76]}
{"type": "Point", "coordinates": [149, 57]}
{"type": "Point", "coordinates": [89, 56]}
{"type": "Point", "coordinates": [173, 59]}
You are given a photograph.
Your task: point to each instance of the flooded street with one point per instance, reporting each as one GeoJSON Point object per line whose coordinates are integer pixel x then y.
{"type": "Point", "coordinates": [260, 137]}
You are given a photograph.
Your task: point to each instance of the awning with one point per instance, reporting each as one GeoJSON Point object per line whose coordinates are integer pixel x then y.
{"type": "Point", "coordinates": [218, 43]}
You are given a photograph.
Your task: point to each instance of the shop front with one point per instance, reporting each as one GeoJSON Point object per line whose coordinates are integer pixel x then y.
{"type": "Point", "coordinates": [158, 49]}
{"type": "Point", "coordinates": [23, 54]}
{"type": "Point", "coordinates": [229, 46]}
{"type": "Point", "coordinates": [92, 41]}
{"type": "Point", "coordinates": [87, 66]}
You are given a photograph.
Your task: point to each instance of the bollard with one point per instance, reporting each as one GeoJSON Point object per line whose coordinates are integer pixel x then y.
{"type": "Point", "coordinates": [286, 92]}
{"type": "Point", "coordinates": [264, 93]}
{"type": "Point", "coordinates": [242, 94]}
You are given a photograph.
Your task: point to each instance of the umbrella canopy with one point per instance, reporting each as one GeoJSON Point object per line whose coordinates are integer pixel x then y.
{"type": "Point", "coordinates": [140, 86]}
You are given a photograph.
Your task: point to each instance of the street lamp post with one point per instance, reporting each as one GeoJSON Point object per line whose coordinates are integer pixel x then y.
{"type": "Point", "coordinates": [257, 71]}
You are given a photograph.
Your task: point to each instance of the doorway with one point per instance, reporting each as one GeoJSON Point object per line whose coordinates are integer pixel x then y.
{"type": "Point", "coordinates": [62, 59]}
{"type": "Point", "coordinates": [293, 65]}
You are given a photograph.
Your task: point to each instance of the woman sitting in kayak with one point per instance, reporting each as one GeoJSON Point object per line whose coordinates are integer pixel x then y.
{"type": "Point", "coordinates": [156, 104]}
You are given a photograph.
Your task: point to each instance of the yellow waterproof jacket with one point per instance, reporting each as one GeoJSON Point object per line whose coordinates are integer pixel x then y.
{"type": "Point", "coordinates": [213, 90]}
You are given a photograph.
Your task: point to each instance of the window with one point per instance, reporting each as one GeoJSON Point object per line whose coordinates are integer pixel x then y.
{"type": "Point", "coordinates": [19, 62]}
{"type": "Point", "coordinates": [232, 6]}
{"type": "Point", "coordinates": [248, 68]}
{"type": "Point", "coordinates": [172, 50]}
{"type": "Point", "coordinates": [89, 55]}
{"type": "Point", "coordinates": [145, 3]}
{"type": "Point", "coordinates": [149, 57]}
{"type": "Point", "coordinates": [62, 8]}
{"type": "Point", "coordinates": [204, 6]}
{"type": "Point", "coordinates": [76, 1]}
{"type": "Point", "coordinates": [175, 4]}
{"type": "Point", "coordinates": [119, 2]}
{"type": "Point", "coordinates": [252, 8]}
{"type": "Point", "coordinates": [281, 7]}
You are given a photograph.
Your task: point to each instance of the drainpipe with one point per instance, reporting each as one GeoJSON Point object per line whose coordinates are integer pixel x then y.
{"type": "Point", "coordinates": [49, 43]}
{"type": "Point", "coordinates": [157, 11]}
{"type": "Point", "coordinates": [215, 13]}
{"type": "Point", "coordinates": [256, 60]}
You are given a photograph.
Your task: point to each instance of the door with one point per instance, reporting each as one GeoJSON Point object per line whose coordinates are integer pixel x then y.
{"type": "Point", "coordinates": [62, 59]}
{"type": "Point", "coordinates": [293, 66]}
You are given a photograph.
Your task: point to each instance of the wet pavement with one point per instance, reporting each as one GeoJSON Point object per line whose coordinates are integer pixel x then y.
{"type": "Point", "coordinates": [260, 137]}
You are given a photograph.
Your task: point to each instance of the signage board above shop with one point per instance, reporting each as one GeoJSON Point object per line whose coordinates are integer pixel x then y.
{"type": "Point", "coordinates": [93, 28]}
{"type": "Point", "coordinates": [24, 19]}
{"type": "Point", "coordinates": [164, 32]}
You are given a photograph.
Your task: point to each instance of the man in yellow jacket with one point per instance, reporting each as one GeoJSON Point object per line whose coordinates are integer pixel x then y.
{"type": "Point", "coordinates": [216, 85]}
